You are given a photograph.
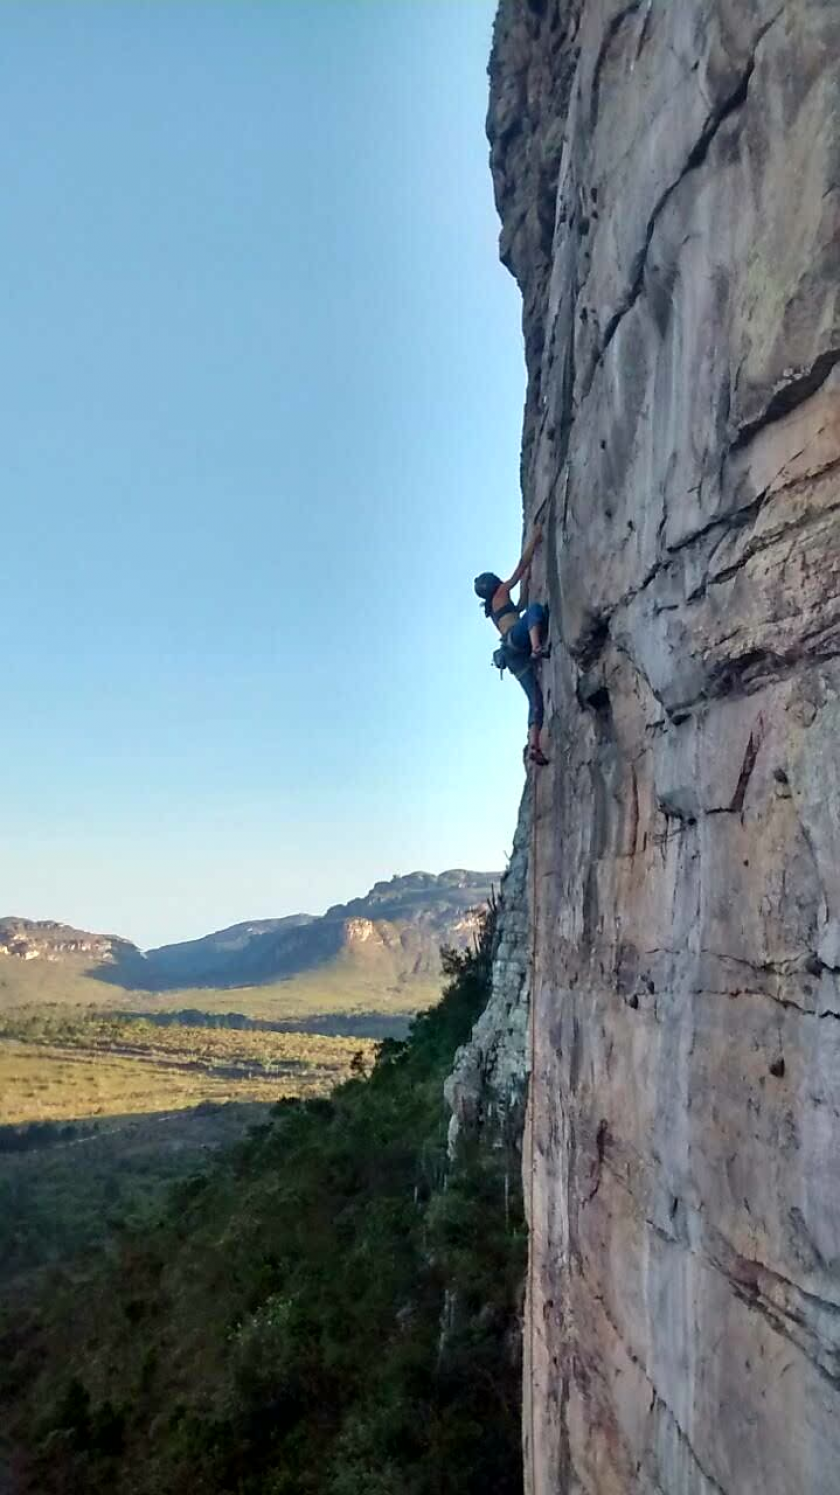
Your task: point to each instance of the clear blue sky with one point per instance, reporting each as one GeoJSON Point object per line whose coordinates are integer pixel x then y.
{"type": "Point", "coordinates": [260, 400]}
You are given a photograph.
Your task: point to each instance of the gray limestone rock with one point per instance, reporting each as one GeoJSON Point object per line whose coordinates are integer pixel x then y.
{"type": "Point", "coordinates": [486, 1089]}
{"type": "Point", "coordinates": [668, 178]}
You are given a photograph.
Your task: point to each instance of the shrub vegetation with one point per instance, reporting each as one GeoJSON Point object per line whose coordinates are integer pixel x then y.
{"type": "Point", "coordinates": [333, 1309]}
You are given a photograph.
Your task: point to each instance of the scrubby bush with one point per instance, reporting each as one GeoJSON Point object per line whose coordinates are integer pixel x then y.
{"type": "Point", "coordinates": [338, 1313]}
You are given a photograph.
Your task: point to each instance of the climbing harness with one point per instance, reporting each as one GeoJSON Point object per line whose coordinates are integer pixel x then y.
{"type": "Point", "coordinates": [506, 657]}
{"type": "Point", "coordinates": [500, 660]}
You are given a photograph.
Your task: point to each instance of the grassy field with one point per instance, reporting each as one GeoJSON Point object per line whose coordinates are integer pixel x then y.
{"type": "Point", "coordinates": [63, 1064]}
{"type": "Point", "coordinates": [102, 1108]}
{"type": "Point", "coordinates": [40, 1082]}
{"type": "Point", "coordinates": [100, 1114]}
{"type": "Point", "coordinates": [347, 986]}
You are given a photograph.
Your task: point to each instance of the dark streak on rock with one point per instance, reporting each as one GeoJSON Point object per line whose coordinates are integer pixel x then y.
{"type": "Point", "coordinates": [735, 100]}
{"type": "Point", "coordinates": [698, 155]}
{"type": "Point", "coordinates": [611, 33]}
{"type": "Point", "coordinates": [795, 391]}
{"type": "Point", "coordinates": [750, 755]}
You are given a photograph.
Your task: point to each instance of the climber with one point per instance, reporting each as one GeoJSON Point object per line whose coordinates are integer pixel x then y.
{"type": "Point", "coordinates": [523, 631]}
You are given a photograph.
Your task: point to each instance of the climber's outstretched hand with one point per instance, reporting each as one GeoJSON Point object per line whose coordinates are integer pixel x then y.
{"type": "Point", "coordinates": [526, 557]}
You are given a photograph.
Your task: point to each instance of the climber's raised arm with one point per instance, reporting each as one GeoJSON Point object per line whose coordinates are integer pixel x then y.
{"type": "Point", "coordinates": [525, 641]}
{"type": "Point", "coordinates": [526, 558]}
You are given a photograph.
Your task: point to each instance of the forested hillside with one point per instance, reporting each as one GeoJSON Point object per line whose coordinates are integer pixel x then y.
{"type": "Point", "coordinates": [332, 1309]}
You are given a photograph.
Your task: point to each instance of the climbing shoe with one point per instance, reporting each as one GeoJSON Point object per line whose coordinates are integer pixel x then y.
{"type": "Point", "coordinates": [536, 755]}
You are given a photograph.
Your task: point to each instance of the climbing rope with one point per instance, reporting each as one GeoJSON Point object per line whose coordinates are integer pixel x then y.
{"type": "Point", "coordinates": [532, 1147]}
{"type": "Point", "coordinates": [532, 1140]}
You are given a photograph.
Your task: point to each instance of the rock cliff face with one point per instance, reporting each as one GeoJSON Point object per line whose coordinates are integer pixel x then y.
{"type": "Point", "coordinates": [404, 920]}
{"type": "Point", "coordinates": [44, 939]}
{"type": "Point", "coordinates": [668, 176]}
{"type": "Point", "coordinates": [487, 1088]}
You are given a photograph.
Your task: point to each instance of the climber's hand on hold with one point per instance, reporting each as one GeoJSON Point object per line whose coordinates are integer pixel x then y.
{"type": "Point", "coordinates": [527, 554]}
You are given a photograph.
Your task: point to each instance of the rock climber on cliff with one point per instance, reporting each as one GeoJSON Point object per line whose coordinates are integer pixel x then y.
{"type": "Point", "coordinates": [523, 631]}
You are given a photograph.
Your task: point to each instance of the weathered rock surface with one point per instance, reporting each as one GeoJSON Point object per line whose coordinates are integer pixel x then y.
{"type": "Point", "coordinates": [44, 939]}
{"type": "Point", "coordinates": [487, 1088]}
{"type": "Point", "coordinates": [668, 176]}
{"type": "Point", "coordinates": [404, 921]}
{"type": "Point", "coordinates": [394, 934]}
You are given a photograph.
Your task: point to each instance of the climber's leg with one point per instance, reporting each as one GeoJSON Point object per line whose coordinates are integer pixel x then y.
{"type": "Point", "coordinates": [535, 619]}
{"type": "Point", "coordinates": [535, 752]}
{"type": "Point", "coordinates": [531, 686]}
{"type": "Point", "coordinates": [529, 630]}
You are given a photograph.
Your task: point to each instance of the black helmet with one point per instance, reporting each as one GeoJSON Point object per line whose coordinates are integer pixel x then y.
{"type": "Point", "coordinates": [486, 585]}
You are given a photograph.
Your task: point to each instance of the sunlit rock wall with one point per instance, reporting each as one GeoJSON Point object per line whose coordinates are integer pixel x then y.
{"type": "Point", "coordinates": [668, 177]}
{"type": "Point", "coordinates": [487, 1088]}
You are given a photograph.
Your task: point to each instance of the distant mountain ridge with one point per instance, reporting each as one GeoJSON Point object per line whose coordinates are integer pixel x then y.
{"type": "Point", "coordinates": [46, 939]}
{"type": "Point", "coordinates": [392, 935]}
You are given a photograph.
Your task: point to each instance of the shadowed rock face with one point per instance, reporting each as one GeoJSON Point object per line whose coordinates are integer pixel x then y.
{"type": "Point", "coordinates": [404, 920]}
{"type": "Point", "coordinates": [668, 175]}
{"type": "Point", "coordinates": [393, 935]}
